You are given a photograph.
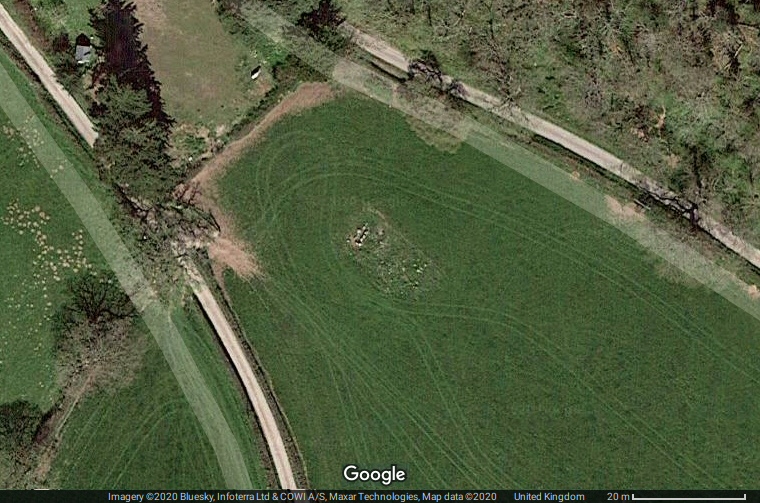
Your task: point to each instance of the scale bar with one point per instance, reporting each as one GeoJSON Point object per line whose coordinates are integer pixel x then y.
{"type": "Point", "coordinates": [689, 499]}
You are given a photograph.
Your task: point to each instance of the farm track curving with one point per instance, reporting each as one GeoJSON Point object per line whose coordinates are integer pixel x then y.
{"type": "Point", "coordinates": [247, 376]}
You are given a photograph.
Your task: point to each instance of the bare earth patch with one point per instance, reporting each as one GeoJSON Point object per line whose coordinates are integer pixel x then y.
{"type": "Point", "coordinates": [228, 251]}
{"type": "Point", "coordinates": [225, 252]}
{"type": "Point", "coordinates": [308, 95]}
{"type": "Point", "coordinates": [753, 291]}
{"type": "Point", "coordinates": [627, 211]}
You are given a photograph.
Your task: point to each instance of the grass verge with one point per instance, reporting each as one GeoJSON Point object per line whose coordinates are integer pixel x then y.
{"type": "Point", "coordinates": [160, 443]}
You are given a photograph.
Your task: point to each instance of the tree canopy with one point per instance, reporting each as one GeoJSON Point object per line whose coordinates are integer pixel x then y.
{"type": "Point", "coordinates": [322, 23]}
{"type": "Point", "coordinates": [129, 111]}
{"type": "Point", "coordinates": [95, 302]}
{"type": "Point", "coordinates": [123, 56]}
{"type": "Point", "coordinates": [19, 422]}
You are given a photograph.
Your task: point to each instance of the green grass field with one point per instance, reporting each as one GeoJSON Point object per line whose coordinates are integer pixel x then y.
{"type": "Point", "coordinates": [146, 436]}
{"type": "Point", "coordinates": [143, 434]}
{"type": "Point", "coordinates": [630, 79]}
{"type": "Point", "coordinates": [43, 245]}
{"type": "Point", "coordinates": [487, 333]}
{"type": "Point", "coordinates": [204, 71]}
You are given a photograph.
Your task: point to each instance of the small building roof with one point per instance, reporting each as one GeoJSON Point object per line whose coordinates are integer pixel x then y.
{"type": "Point", "coordinates": [83, 53]}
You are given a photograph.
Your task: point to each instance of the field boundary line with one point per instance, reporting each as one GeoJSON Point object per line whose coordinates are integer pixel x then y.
{"type": "Point", "coordinates": [118, 256]}
{"type": "Point", "coordinates": [86, 129]}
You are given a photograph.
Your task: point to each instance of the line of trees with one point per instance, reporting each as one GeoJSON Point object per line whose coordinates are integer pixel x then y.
{"type": "Point", "coordinates": [94, 333]}
{"type": "Point", "coordinates": [129, 111]}
{"type": "Point", "coordinates": [95, 343]}
{"type": "Point", "coordinates": [133, 144]}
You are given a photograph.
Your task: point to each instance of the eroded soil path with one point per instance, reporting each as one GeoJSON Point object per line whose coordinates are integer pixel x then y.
{"type": "Point", "coordinates": [228, 250]}
{"type": "Point", "coordinates": [307, 95]}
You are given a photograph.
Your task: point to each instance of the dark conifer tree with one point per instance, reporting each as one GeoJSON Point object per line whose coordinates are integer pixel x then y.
{"type": "Point", "coordinates": [133, 126]}
{"type": "Point", "coordinates": [123, 55]}
{"type": "Point", "coordinates": [322, 23]}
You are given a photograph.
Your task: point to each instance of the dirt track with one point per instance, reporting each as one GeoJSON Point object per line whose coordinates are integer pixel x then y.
{"type": "Point", "coordinates": [40, 67]}
{"type": "Point", "coordinates": [227, 250]}
{"type": "Point", "coordinates": [252, 388]}
{"type": "Point", "coordinates": [306, 96]}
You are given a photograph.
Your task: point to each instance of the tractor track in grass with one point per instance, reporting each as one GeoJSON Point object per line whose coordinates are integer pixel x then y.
{"type": "Point", "coordinates": [228, 250]}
